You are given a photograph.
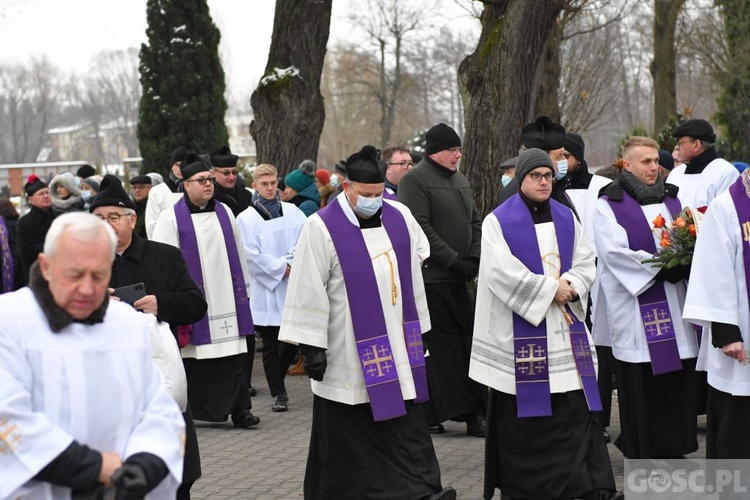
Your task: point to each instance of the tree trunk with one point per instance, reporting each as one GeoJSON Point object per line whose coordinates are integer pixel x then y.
{"type": "Point", "coordinates": [663, 66]}
{"type": "Point", "coordinates": [547, 100]}
{"type": "Point", "coordinates": [498, 82]}
{"type": "Point", "coordinates": [287, 104]}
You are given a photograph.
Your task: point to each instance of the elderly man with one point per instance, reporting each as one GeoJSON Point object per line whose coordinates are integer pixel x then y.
{"type": "Point", "coordinates": [33, 227]}
{"type": "Point", "coordinates": [227, 189]}
{"type": "Point", "coordinates": [269, 235]}
{"type": "Point", "coordinates": [703, 175]}
{"type": "Point", "coordinates": [532, 347]}
{"type": "Point", "coordinates": [82, 404]}
{"type": "Point", "coordinates": [206, 232]}
{"type": "Point", "coordinates": [166, 194]}
{"type": "Point", "coordinates": [356, 306]}
{"type": "Point", "coordinates": [141, 185]}
{"type": "Point", "coordinates": [399, 162]}
{"type": "Point", "coordinates": [654, 348]}
{"type": "Point", "coordinates": [172, 296]}
{"type": "Point", "coordinates": [440, 198]}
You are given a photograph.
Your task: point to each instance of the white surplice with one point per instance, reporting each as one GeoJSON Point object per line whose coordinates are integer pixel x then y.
{"type": "Point", "coordinates": [217, 278]}
{"type": "Point", "coordinates": [96, 384]}
{"type": "Point", "coordinates": [698, 190]}
{"type": "Point", "coordinates": [160, 198]}
{"type": "Point", "coordinates": [718, 292]}
{"type": "Point", "coordinates": [316, 311]}
{"type": "Point", "coordinates": [507, 286]}
{"type": "Point", "coordinates": [269, 246]}
{"type": "Point", "coordinates": [624, 277]}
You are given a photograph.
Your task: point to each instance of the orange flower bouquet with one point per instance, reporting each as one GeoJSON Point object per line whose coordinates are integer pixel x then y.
{"type": "Point", "coordinates": [677, 239]}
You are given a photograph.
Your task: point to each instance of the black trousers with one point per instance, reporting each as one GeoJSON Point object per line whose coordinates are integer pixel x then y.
{"type": "Point", "coordinates": [277, 356]}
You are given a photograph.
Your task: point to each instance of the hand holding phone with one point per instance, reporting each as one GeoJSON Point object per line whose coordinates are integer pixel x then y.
{"type": "Point", "coordinates": [130, 293]}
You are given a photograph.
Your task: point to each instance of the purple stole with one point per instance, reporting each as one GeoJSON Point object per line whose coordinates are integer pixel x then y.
{"type": "Point", "coordinates": [201, 333]}
{"type": "Point", "coordinates": [368, 321]}
{"type": "Point", "coordinates": [389, 196]}
{"type": "Point", "coordinates": [654, 308]}
{"type": "Point", "coordinates": [7, 269]}
{"type": "Point", "coordinates": [742, 206]}
{"type": "Point", "coordinates": [529, 341]}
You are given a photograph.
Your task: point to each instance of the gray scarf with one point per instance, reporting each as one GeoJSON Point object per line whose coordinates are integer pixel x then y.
{"type": "Point", "coordinates": [643, 194]}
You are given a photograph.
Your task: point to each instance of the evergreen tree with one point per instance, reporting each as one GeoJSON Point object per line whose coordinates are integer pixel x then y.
{"type": "Point", "coordinates": [183, 83]}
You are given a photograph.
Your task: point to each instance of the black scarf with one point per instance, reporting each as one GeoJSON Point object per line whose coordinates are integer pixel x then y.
{"type": "Point", "coordinates": [643, 194]}
{"type": "Point", "coordinates": [56, 316]}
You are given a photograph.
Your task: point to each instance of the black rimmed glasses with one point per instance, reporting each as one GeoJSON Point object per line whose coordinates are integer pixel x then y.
{"type": "Point", "coordinates": [112, 218]}
{"type": "Point", "coordinates": [538, 176]}
{"type": "Point", "coordinates": [403, 164]}
{"type": "Point", "coordinates": [202, 180]}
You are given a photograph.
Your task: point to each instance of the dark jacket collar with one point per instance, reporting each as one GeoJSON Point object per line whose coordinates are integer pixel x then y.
{"type": "Point", "coordinates": [443, 170]}
{"type": "Point", "coordinates": [57, 317]}
{"type": "Point", "coordinates": [540, 211]}
{"type": "Point", "coordinates": [134, 252]}
{"type": "Point", "coordinates": [700, 162]}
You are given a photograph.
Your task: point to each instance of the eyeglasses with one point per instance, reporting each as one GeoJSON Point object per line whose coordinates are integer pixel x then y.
{"type": "Point", "coordinates": [112, 218]}
{"type": "Point", "coordinates": [680, 143]}
{"type": "Point", "coordinates": [202, 181]}
{"type": "Point", "coordinates": [227, 173]}
{"type": "Point", "coordinates": [537, 177]}
{"type": "Point", "coordinates": [455, 151]}
{"type": "Point", "coordinates": [403, 164]}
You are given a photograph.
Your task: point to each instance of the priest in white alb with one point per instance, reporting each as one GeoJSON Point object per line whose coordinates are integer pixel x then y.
{"type": "Point", "coordinates": [356, 306]}
{"type": "Point", "coordinates": [83, 407]}
{"type": "Point", "coordinates": [654, 348]}
{"type": "Point", "coordinates": [214, 347]}
{"type": "Point", "coordinates": [718, 298]}
{"type": "Point", "coordinates": [532, 348]}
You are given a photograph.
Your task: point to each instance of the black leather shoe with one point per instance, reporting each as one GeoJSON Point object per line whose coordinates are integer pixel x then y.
{"type": "Point", "coordinates": [436, 428]}
{"type": "Point", "coordinates": [253, 391]}
{"type": "Point", "coordinates": [245, 419]}
{"type": "Point", "coordinates": [607, 439]}
{"type": "Point", "coordinates": [446, 494]}
{"type": "Point", "coordinates": [476, 425]}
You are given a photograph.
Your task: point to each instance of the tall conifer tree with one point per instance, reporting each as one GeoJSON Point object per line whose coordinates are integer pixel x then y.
{"type": "Point", "coordinates": [183, 83]}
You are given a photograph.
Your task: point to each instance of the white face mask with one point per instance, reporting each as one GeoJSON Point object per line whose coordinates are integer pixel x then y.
{"type": "Point", "coordinates": [506, 180]}
{"type": "Point", "coordinates": [86, 195]}
{"type": "Point", "coordinates": [562, 169]}
{"type": "Point", "coordinates": [367, 207]}
{"type": "Point", "coordinates": [335, 180]}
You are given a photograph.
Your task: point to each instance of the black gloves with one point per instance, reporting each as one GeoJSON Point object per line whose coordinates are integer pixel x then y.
{"type": "Point", "coordinates": [674, 275]}
{"type": "Point", "coordinates": [315, 362]}
{"type": "Point", "coordinates": [130, 482]}
{"type": "Point", "coordinates": [466, 268]}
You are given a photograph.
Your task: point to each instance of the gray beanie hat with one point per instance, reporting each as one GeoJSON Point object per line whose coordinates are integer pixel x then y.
{"type": "Point", "coordinates": [531, 159]}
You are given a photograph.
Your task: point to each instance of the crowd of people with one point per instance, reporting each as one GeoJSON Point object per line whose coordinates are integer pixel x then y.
{"type": "Point", "coordinates": [404, 307]}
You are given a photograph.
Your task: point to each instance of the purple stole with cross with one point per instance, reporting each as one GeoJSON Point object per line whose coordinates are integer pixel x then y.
{"type": "Point", "coordinates": [653, 305]}
{"type": "Point", "coordinates": [742, 206]}
{"type": "Point", "coordinates": [201, 333]}
{"type": "Point", "coordinates": [7, 269]}
{"type": "Point", "coordinates": [368, 321]}
{"type": "Point", "coordinates": [529, 341]}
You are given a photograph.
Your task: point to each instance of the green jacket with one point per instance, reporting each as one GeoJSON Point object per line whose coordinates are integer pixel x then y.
{"type": "Point", "coordinates": [441, 200]}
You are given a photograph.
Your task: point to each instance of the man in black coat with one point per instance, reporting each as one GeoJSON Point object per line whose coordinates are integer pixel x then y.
{"type": "Point", "coordinates": [33, 227]}
{"type": "Point", "coordinates": [227, 188]}
{"type": "Point", "coordinates": [172, 295]}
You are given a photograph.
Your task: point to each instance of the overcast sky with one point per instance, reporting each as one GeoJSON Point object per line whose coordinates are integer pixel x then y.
{"type": "Point", "coordinates": [70, 32]}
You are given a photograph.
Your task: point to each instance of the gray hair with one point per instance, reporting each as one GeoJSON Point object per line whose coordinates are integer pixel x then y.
{"type": "Point", "coordinates": [83, 226]}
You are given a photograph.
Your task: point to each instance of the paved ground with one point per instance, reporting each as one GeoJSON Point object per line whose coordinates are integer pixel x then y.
{"type": "Point", "coordinates": [268, 461]}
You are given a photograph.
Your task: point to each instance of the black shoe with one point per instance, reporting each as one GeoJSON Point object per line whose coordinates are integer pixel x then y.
{"type": "Point", "coordinates": [476, 425]}
{"type": "Point", "coordinates": [446, 494]}
{"type": "Point", "coordinates": [245, 419]}
{"type": "Point", "coordinates": [279, 404]}
{"type": "Point", "coordinates": [607, 439]}
{"type": "Point", "coordinates": [253, 391]}
{"type": "Point", "coordinates": [284, 397]}
{"type": "Point", "coordinates": [436, 428]}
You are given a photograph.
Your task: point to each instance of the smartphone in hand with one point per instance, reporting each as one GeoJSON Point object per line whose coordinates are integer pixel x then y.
{"type": "Point", "coordinates": [130, 293]}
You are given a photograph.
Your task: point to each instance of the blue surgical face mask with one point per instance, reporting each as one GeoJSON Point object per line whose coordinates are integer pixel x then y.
{"type": "Point", "coordinates": [506, 180]}
{"type": "Point", "coordinates": [367, 207]}
{"type": "Point", "coordinates": [335, 181]}
{"type": "Point", "coordinates": [86, 195]}
{"type": "Point", "coordinates": [562, 169]}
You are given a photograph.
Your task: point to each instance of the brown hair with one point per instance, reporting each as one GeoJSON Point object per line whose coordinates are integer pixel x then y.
{"type": "Point", "coordinates": [391, 150]}
{"type": "Point", "coordinates": [7, 210]}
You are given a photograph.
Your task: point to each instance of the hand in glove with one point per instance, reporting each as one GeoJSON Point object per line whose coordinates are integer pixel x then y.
{"type": "Point", "coordinates": [315, 363]}
{"type": "Point", "coordinates": [130, 482]}
{"type": "Point", "coordinates": [466, 268]}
